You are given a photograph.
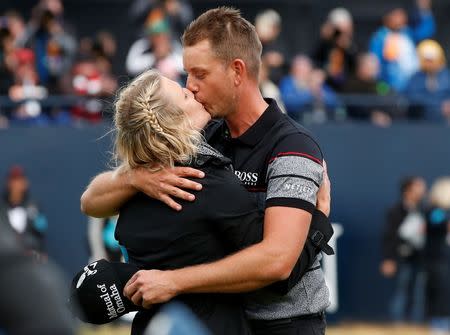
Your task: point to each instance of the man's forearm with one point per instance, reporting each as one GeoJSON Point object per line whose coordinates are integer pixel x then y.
{"type": "Point", "coordinates": [106, 193]}
{"type": "Point", "coordinates": [247, 270]}
{"type": "Point", "coordinates": [271, 260]}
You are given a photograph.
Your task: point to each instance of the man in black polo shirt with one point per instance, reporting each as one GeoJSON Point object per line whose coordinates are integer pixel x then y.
{"type": "Point", "coordinates": [275, 158]}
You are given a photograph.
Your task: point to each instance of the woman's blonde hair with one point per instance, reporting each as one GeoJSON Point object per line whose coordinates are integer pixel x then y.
{"type": "Point", "coordinates": [150, 130]}
{"type": "Point", "coordinates": [440, 193]}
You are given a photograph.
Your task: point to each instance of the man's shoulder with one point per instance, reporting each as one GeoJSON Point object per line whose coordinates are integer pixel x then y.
{"type": "Point", "coordinates": [286, 126]}
{"type": "Point", "coordinates": [292, 136]}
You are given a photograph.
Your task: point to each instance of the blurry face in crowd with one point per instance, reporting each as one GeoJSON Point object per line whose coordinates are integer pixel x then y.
{"type": "Point", "coordinates": [55, 6]}
{"type": "Point", "coordinates": [431, 65]}
{"type": "Point", "coordinates": [17, 185]}
{"type": "Point", "coordinates": [396, 19]}
{"type": "Point", "coordinates": [210, 79]}
{"type": "Point", "coordinates": [185, 100]}
{"type": "Point", "coordinates": [368, 67]}
{"type": "Point", "coordinates": [6, 41]}
{"type": "Point", "coordinates": [345, 27]}
{"type": "Point", "coordinates": [16, 25]}
{"type": "Point", "coordinates": [301, 68]}
{"type": "Point", "coordinates": [161, 44]}
{"type": "Point", "coordinates": [317, 79]}
{"type": "Point", "coordinates": [417, 190]}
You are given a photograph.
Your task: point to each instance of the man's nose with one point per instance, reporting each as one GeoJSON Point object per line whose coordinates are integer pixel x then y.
{"type": "Point", "coordinates": [191, 86]}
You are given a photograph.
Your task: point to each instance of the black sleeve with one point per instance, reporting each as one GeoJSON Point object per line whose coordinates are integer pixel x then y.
{"type": "Point", "coordinates": [390, 238]}
{"type": "Point", "coordinates": [232, 211]}
{"type": "Point", "coordinates": [314, 244]}
{"type": "Point", "coordinates": [294, 173]}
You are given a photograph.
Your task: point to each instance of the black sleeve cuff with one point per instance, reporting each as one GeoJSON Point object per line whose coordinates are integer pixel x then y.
{"type": "Point", "coordinates": [291, 202]}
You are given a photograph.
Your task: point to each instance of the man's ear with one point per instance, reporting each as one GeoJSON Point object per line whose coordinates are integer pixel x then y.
{"type": "Point", "coordinates": [239, 70]}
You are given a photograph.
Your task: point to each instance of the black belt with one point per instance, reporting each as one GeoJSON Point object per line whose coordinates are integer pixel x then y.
{"type": "Point", "coordinates": [319, 315]}
{"type": "Point", "coordinates": [308, 316]}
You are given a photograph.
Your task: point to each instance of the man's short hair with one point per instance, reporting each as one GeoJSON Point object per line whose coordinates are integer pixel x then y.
{"type": "Point", "coordinates": [230, 35]}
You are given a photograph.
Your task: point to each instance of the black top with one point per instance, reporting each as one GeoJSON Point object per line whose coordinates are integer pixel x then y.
{"type": "Point", "coordinates": [223, 219]}
{"type": "Point", "coordinates": [393, 246]}
{"type": "Point", "coordinates": [436, 246]}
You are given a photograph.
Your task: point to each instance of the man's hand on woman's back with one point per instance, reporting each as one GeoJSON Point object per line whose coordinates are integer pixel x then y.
{"type": "Point", "coordinates": [109, 190]}
{"type": "Point", "coordinates": [166, 184]}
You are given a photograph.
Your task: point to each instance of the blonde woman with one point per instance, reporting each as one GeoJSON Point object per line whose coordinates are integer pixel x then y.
{"type": "Point", "coordinates": [158, 125]}
{"type": "Point", "coordinates": [437, 256]}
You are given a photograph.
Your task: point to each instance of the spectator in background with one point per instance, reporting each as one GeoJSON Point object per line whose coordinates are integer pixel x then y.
{"type": "Point", "coordinates": [306, 96]}
{"type": "Point", "coordinates": [403, 240]}
{"type": "Point", "coordinates": [428, 91]}
{"type": "Point", "coordinates": [54, 47]}
{"type": "Point", "coordinates": [33, 295]}
{"type": "Point", "coordinates": [7, 66]}
{"type": "Point", "coordinates": [16, 25]}
{"type": "Point", "coordinates": [365, 82]}
{"type": "Point", "coordinates": [336, 51]}
{"type": "Point", "coordinates": [23, 214]}
{"type": "Point", "coordinates": [179, 13]}
{"type": "Point", "coordinates": [104, 49]}
{"type": "Point", "coordinates": [101, 240]}
{"type": "Point", "coordinates": [101, 49]}
{"type": "Point", "coordinates": [394, 43]}
{"type": "Point", "coordinates": [275, 52]}
{"type": "Point", "coordinates": [268, 88]}
{"type": "Point", "coordinates": [437, 252]}
{"type": "Point", "coordinates": [27, 88]}
{"type": "Point", "coordinates": [93, 81]}
{"type": "Point", "coordinates": [156, 50]}
{"type": "Point", "coordinates": [7, 57]}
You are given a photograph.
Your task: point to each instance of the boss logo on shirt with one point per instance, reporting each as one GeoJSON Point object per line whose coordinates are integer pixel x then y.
{"type": "Point", "coordinates": [247, 178]}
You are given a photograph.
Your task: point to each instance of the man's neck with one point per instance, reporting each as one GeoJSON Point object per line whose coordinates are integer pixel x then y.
{"type": "Point", "coordinates": [248, 111]}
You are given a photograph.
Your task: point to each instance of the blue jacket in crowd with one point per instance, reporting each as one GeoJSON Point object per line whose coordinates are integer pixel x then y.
{"type": "Point", "coordinates": [397, 72]}
{"type": "Point", "coordinates": [299, 100]}
{"type": "Point", "coordinates": [430, 101]}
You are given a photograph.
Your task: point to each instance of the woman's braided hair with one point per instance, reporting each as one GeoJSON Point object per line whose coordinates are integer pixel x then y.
{"type": "Point", "coordinates": [150, 130]}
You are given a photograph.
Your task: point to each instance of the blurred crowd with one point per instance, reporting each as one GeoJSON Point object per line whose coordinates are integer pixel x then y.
{"type": "Point", "coordinates": [400, 74]}
{"type": "Point", "coordinates": [416, 251]}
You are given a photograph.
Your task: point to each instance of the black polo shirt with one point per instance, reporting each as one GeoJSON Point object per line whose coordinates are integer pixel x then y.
{"type": "Point", "coordinates": [276, 158]}
{"type": "Point", "coordinates": [280, 163]}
